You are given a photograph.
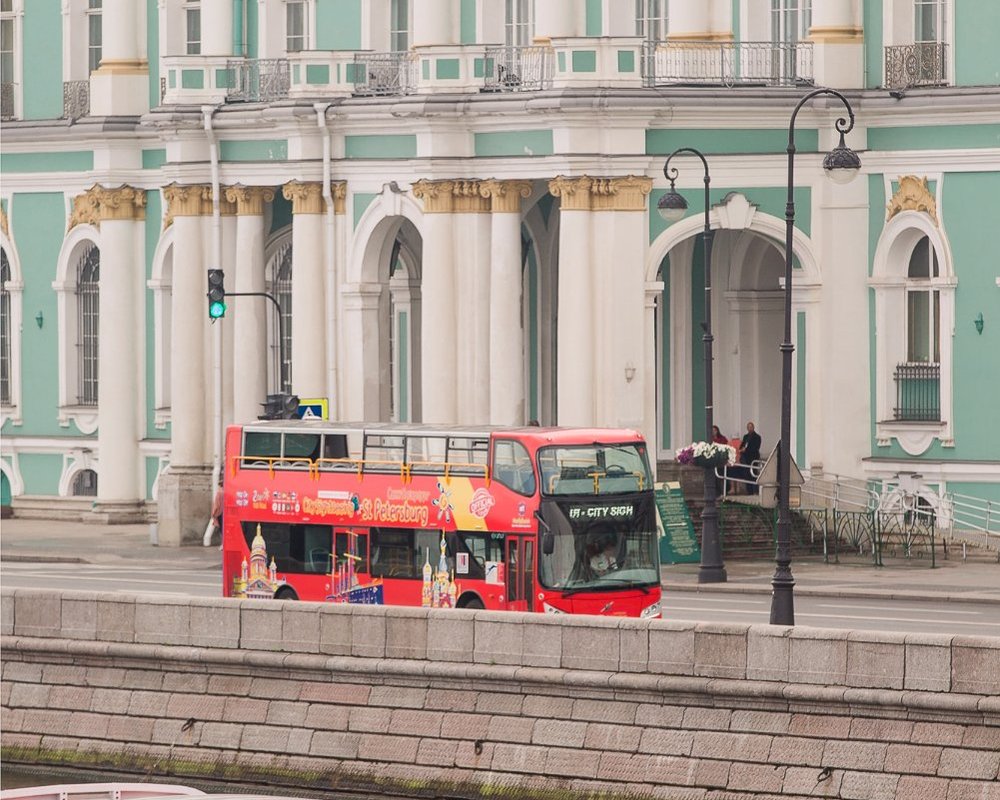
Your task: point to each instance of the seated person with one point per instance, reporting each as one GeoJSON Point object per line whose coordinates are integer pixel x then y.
{"type": "Point", "coordinates": [602, 556]}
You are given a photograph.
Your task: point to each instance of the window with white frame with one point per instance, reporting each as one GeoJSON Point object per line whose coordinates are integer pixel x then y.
{"type": "Point", "coordinates": [651, 19]}
{"type": "Point", "coordinates": [929, 21]}
{"type": "Point", "coordinates": [88, 315]}
{"type": "Point", "coordinates": [9, 68]}
{"type": "Point", "coordinates": [790, 20]}
{"type": "Point", "coordinates": [399, 26]}
{"type": "Point", "coordinates": [6, 393]}
{"type": "Point", "coordinates": [519, 23]}
{"type": "Point", "coordinates": [923, 305]}
{"type": "Point", "coordinates": [94, 34]}
{"type": "Point", "coordinates": [192, 28]}
{"type": "Point", "coordinates": [280, 287]}
{"type": "Point", "coordinates": [296, 25]}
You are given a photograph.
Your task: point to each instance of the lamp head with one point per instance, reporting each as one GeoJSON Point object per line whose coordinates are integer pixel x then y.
{"type": "Point", "coordinates": [842, 164]}
{"type": "Point", "coordinates": [672, 206]}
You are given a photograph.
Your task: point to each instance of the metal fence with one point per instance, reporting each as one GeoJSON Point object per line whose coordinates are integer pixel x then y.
{"type": "Point", "coordinates": [257, 80]}
{"type": "Point", "coordinates": [922, 64]}
{"type": "Point", "coordinates": [728, 63]}
{"type": "Point", "coordinates": [518, 69]}
{"type": "Point", "coordinates": [76, 99]}
{"type": "Point", "coordinates": [385, 74]}
{"type": "Point", "coordinates": [918, 392]}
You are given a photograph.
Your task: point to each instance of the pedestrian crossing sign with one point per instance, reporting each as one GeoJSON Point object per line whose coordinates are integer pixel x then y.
{"type": "Point", "coordinates": [314, 408]}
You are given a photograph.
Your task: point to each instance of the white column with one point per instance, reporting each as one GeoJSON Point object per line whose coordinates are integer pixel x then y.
{"type": "Point", "coordinates": [837, 35]}
{"type": "Point", "coordinates": [506, 334]}
{"type": "Point", "coordinates": [119, 87]}
{"type": "Point", "coordinates": [556, 18]}
{"type": "Point", "coordinates": [118, 489]}
{"type": "Point", "coordinates": [435, 22]}
{"type": "Point", "coordinates": [689, 19]}
{"type": "Point", "coordinates": [651, 422]}
{"type": "Point", "coordinates": [576, 326]}
{"type": "Point", "coordinates": [228, 328]}
{"type": "Point", "coordinates": [437, 330]}
{"type": "Point", "coordinates": [250, 350]}
{"type": "Point", "coordinates": [308, 292]}
{"type": "Point", "coordinates": [362, 332]}
{"type": "Point", "coordinates": [216, 27]}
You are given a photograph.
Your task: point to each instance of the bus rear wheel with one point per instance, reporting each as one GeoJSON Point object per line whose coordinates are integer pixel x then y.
{"type": "Point", "coordinates": [286, 593]}
{"type": "Point", "coordinates": [470, 601]}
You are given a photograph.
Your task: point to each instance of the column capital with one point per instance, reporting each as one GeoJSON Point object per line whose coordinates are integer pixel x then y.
{"type": "Point", "coordinates": [122, 203]}
{"type": "Point", "coordinates": [469, 198]}
{"type": "Point", "coordinates": [184, 200]}
{"type": "Point", "coordinates": [505, 195]}
{"type": "Point", "coordinates": [575, 192]}
{"type": "Point", "coordinates": [437, 195]}
{"type": "Point", "coordinates": [227, 208]}
{"type": "Point", "coordinates": [602, 194]}
{"type": "Point", "coordinates": [86, 209]}
{"type": "Point", "coordinates": [339, 191]}
{"type": "Point", "coordinates": [306, 196]}
{"type": "Point", "coordinates": [249, 199]}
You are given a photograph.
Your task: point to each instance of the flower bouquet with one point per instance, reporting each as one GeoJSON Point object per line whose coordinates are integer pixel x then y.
{"type": "Point", "coordinates": [707, 454]}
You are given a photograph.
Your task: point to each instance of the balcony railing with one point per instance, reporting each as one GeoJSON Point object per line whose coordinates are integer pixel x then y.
{"type": "Point", "coordinates": [908, 65]}
{"type": "Point", "coordinates": [728, 63]}
{"type": "Point", "coordinates": [6, 101]}
{"type": "Point", "coordinates": [76, 99]}
{"type": "Point", "coordinates": [518, 69]}
{"type": "Point", "coordinates": [918, 392]}
{"type": "Point", "coordinates": [384, 74]}
{"type": "Point", "coordinates": [257, 80]}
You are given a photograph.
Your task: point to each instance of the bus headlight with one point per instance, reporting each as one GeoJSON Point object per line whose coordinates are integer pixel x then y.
{"type": "Point", "coordinates": [650, 612]}
{"type": "Point", "coordinates": [551, 609]}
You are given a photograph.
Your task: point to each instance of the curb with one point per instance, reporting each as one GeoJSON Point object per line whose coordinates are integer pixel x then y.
{"type": "Point", "coordinates": [857, 594]}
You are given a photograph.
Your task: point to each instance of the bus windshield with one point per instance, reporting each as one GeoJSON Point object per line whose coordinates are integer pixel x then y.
{"type": "Point", "coordinates": [596, 468]}
{"type": "Point", "coordinates": [599, 545]}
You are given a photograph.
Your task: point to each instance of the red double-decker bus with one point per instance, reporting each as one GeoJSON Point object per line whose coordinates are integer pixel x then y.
{"type": "Point", "coordinates": [559, 520]}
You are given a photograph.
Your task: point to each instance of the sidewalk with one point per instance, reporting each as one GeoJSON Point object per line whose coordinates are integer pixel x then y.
{"type": "Point", "coordinates": [952, 580]}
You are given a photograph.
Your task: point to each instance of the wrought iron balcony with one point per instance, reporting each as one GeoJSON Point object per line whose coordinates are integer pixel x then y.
{"type": "Point", "coordinates": [908, 65]}
{"type": "Point", "coordinates": [257, 80]}
{"type": "Point", "coordinates": [918, 392]}
{"type": "Point", "coordinates": [6, 101]}
{"type": "Point", "coordinates": [518, 69]}
{"type": "Point", "coordinates": [728, 63]}
{"type": "Point", "coordinates": [385, 74]}
{"type": "Point", "coordinates": [76, 99]}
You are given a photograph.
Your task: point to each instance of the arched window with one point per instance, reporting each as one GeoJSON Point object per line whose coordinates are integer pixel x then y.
{"type": "Point", "coordinates": [281, 289]}
{"type": "Point", "coordinates": [923, 306]}
{"type": "Point", "coordinates": [88, 278]}
{"type": "Point", "coordinates": [5, 331]}
{"type": "Point", "coordinates": [651, 20]}
{"type": "Point", "coordinates": [85, 483]}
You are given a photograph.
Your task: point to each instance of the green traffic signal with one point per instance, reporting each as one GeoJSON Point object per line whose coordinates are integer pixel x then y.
{"type": "Point", "coordinates": [216, 294]}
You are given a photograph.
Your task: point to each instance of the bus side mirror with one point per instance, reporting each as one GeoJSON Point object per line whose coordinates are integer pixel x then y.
{"type": "Point", "coordinates": [548, 543]}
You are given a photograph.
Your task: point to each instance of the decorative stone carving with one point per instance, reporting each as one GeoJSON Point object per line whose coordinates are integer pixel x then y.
{"type": "Point", "coordinates": [436, 195]}
{"type": "Point", "coordinates": [306, 197]}
{"type": "Point", "coordinates": [184, 200]}
{"type": "Point", "coordinates": [574, 192]}
{"type": "Point", "coordinates": [123, 203]}
{"type": "Point", "coordinates": [469, 198]}
{"type": "Point", "coordinates": [602, 194]}
{"type": "Point", "coordinates": [3, 222]}
{"type": "Point", "coordinates": [86, 209]}
{"type": "Point", "coordinates": [227, 207]}
{"type": "Point", "coordinates": [249, 199]}
{"type": "Point", "coordinates": [505, 195]}
{"type": "Point", "coordinates": [339, 191]}
{"type": "Point", "coordinates": [913, 194]}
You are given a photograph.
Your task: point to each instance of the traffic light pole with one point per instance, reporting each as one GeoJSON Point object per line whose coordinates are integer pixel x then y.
{"type": "Point", "coordinates": [281, 330]}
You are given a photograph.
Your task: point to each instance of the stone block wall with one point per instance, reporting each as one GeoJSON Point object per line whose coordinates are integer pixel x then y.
{"type": "Point", "coordinates": [424, 702]}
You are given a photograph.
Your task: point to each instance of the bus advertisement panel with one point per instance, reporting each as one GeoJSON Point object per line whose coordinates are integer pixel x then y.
{"type": "Point", "coordinates": [533, 519]}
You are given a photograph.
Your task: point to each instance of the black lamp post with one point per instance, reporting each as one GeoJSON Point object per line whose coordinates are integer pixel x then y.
{"type": "Point", "coordinates": [842, 165]}
{"type": "Point", "coordinates": [672, 207]}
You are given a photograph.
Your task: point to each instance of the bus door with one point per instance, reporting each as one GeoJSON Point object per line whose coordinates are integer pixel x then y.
{"type": "Point", "coordinates": [520, 573]}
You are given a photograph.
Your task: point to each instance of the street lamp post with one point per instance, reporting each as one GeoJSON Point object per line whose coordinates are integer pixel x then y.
{"type": "Point", "coordinates": [841, 165]}
{"type": "Point", "coordinates": [672, 207]}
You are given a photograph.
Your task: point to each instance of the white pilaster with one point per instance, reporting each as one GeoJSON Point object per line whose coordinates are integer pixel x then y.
{"type": "Point", "coordinates": [689, 19]}
{"type": "Point", "coordinates": [119, 87]}
{"type": "Point", "coordinates": [837, 35]}
{"type": "Point", "coordinates": [216, 27]}
{"type": "Point", "coordinates": [308, 292]}
{"type": "Point", "coordinates": [435, 22]}
{"type": "Point", "coordinates": [556, 18]}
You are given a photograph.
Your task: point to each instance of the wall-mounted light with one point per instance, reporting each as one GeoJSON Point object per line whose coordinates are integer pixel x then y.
{"type": "Point", "coordinates": [978, 322]}
{"type": "Point", "coordinates": [629, 372]}
{"type": "Point", "coordinates": [39, 319]}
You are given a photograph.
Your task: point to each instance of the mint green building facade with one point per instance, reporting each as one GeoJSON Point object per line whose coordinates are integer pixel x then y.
{"type": "Point", "coordinates": [455, 204]}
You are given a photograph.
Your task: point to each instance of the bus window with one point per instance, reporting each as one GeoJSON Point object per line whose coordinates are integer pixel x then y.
{"type": "Point", "coordinates": [303, 446]}
{"type": "Point", "coordinates": [359, 549]}
{"type": "Point", "coordinates": [512, 466]}
{"type": "Point", "coordinates": [300, 549]}
{"type": "Point", "coordinates": [334, 445]}
{"type": "Point", "coordinates": [392, 553]}
{"type": "Point", "coordinates": [481, 547]}
{"type": "Point", "coordinates": [261, 444]}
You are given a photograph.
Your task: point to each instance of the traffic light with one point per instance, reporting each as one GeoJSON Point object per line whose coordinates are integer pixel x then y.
{"type": "Point", "coordinates": [216, 294]}
{"type": "Point", "coordinates": [281, 406]}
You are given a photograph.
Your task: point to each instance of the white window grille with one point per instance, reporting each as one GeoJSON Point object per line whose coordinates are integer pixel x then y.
{"type": "Point", "coordinates": [296, 25]}
{"type": "Point", "coordinates": [192, 28]}
{"type": "Point", "coordinates": [399, 26]}
{"type": "Point", "coordinates": [85, 483]}
{"type": "Point", "coordinates": [94, 34]}
{"type": "Point", "coordinates": [88, 322]}
{"type": "Point", "coordinates": [651, 20]}
{"type": "Point", "coordinates": [5, 332]}
{"type": "Point", "coordinates": [519, 22]}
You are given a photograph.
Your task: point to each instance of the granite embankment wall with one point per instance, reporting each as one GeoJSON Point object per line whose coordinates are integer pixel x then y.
{"type": "Point", "coordinates": [471, 704]}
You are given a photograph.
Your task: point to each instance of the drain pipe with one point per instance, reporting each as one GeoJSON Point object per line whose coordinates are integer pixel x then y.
{"type": "Point", "coordinates": [213, 149]}
{"type": "Point", "coordinates": [332, 279]}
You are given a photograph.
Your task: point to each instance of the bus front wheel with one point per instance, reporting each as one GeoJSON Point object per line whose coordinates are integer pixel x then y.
{"type": "Point", "coordinates": [286, 593]}
{"type": "Point", "coordinates": [470, 601]}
